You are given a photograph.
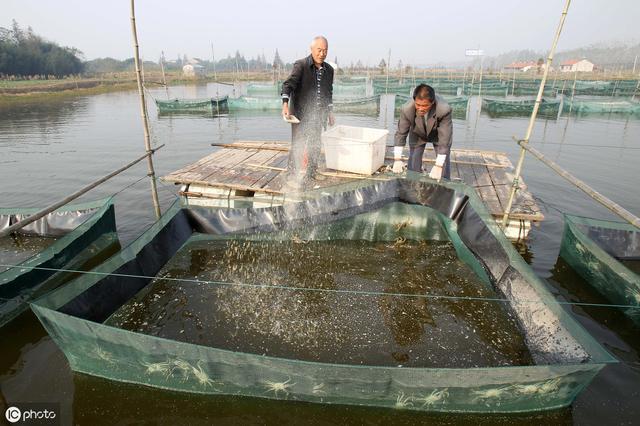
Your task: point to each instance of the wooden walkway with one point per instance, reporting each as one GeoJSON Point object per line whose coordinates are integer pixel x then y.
{"type": "Point", "coordinates": [255, 167]}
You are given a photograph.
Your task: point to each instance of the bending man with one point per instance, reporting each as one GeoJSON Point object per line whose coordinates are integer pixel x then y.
{"type": "Point", "coordinates": [308, 94]}
{"type": "Point", "coordinates": [426, 118]}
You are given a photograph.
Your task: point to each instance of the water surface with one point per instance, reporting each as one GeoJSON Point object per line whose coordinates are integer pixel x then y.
{"type": "Point", "coordinates": [49, 150]}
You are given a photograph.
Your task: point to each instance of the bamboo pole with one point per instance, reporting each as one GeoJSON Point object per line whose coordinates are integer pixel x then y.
{"type": "Point", "coordinates": [611, 205]}
{"type": "Point", "coordinates": [536, 106]}
{"type": "Point", "coordinates": [573, 89]}
{"type": "Point", "coordinates": [164, 78]}
{"type": "Point", "coordinates": [635, 92]}
{"type": "Point", "coordinates": [480, 78]}
{"type": "Point", "coordinates": [464, 79]}
{"type": "Point", "coordinates": [386, 90]}
{"type": "Point", "coordinates": [32, 218]}
{"type": "Point", "coordinates": [145, 119]}
{"type": "Point", "coordinates": [213, 61]}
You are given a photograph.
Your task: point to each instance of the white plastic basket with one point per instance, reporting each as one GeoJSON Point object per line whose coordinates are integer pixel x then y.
{"type": "Point", "coordinates": [354, 149]}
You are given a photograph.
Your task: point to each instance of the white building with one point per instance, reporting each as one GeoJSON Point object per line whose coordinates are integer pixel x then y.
{"type": "Point", "coordinates": [193, 70]}
{"type": "Point", "coordinates": [577, 65]}
{"type": "Point", "coordinates": [526, 66]}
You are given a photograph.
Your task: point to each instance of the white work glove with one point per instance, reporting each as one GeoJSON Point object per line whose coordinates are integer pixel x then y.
{"type": "Point", "coordinates": [436, 170]}
{"type": "Point", "coordinates": [398, 165]}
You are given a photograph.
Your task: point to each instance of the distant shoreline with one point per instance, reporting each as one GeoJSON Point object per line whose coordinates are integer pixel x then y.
{"type": "Point", "coordinates": [18, 91]}
{"type": "Point", "coordinates": [25, 91]}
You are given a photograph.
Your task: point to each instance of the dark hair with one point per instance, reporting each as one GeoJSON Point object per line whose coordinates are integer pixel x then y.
{"type": "Point", "coordinates": [424, 91]}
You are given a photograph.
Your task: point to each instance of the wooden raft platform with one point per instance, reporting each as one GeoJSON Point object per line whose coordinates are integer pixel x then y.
{"type": "Point", "coordinates": [253, 168]}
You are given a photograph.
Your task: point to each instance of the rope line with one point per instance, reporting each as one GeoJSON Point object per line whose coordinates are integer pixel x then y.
{"type": "Point", "coordinates": [324, 290]}
{"type": "Point", "coordinates": [128, 186]}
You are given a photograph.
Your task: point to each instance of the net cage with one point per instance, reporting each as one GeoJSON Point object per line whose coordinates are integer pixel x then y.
{"type": "Point", "coordinates": [607, 255]}
{"type": "Point", "coordinates": [77, 233]}
{"type": "Point", "coordinates": [249, 103]}
{"type": "Point", "coordinates": [548, 106]}
{"type": "Point", "coordinates": [595, 105]}
{"type": "Point", "coordinates": [564, 356]}
{"type": "Point", "coordinates": [193, 105]}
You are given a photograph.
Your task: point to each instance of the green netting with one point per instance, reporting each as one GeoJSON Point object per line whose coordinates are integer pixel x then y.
{"type": "Point", "coordinates": [193, 105]}
{"type": "Point", "coordinates": [457, 103]}
{"type": "Point", "coordinates": [397, 88]}
{"type": "Point", "coordinates": [349, 90]}
{"type": "Point", "coordinates": [550, 106]}
{"type": "Point", "coordinates": [366, 105]}
{"type": "Point", "coordinates": [352, 79]}
{"type": "Point", "coordinates": [566, 357]}
{"type": "Point", "coordinates": [255, 89]}
{"type": "Point", "coordinates": [586, 90]}
{"type": "Point", "coordinates": [601, 105]}
{"type": "Point", "coordinates": [254, 104]}
{"type": "Point", "coordinates": [526, 91]}
{"type": "Point", "coordinates": [495, 89]}
{"type": "Point", "coordinates": [382, 80]}
{"type": "Point", "coordinates": [84, 232]}
{"type": "Point", "coordinates": [598, 250]}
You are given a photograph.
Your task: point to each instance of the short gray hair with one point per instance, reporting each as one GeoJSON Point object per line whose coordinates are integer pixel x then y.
{"type": "Point", "coordinates": [323, 38]}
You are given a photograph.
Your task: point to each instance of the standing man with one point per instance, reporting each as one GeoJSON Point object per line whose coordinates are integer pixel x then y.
{"type": "Point", "coordinates": [426, 118]}
{"type": "Point", "coordinates": [308, 94]}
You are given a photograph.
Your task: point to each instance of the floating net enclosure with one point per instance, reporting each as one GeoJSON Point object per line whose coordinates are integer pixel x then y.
{"type": "Point", "coordinates": [521, 106]}
{"type": "Point", "coordinates": [69, 237]}
{"type": "Point", "coordinates": [248, 103]}
{"type": "Point", "coordinates": [210, 301]}
{"type": "Point", "coordinates": [607, 255]}
{"type": "Point", "coordinates": [598, 105]}
{"type": "Point", "coordinates": [212, 105]}
{"type": "Point", "coordinates": [264, 90]}
{"type": "Point", "coordinates": [349, 90]}
{"type": "Point", "coordinates": [361, 105]}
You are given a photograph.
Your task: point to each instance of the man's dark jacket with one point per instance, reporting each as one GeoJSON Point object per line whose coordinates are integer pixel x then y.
{"type": "Point", "coordinates": [300, 88]}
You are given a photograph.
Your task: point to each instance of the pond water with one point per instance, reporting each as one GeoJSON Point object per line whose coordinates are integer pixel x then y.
{"type": "Point", "coordinates": [50, 149]}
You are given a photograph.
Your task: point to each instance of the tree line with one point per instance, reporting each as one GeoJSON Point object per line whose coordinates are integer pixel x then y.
{"type": "Point", "coordinates": [23, 53]}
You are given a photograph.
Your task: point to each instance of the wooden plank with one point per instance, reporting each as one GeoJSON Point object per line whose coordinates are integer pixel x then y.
{"type": "Point", "coordinates": [490, 199]}
{"type": "Point", "coordinates": [345, 175]}
{"type": "Point", "coordinates": [455, 173]}
{"type": "Point", "coordinates": [234, 186]}
{"type": "Point", "coordinates": [264, 160]}
{"type": "Point", "coordinates": [214, 163]}
{"type": "Point", "coordinates": [264, 142]}
{"type": "Point", "coordinates": [215, 170]}
{"type": "Point", "coordinates": [482, 175]}
{"type": "Point", "coordinates": [189, 167]}
{"type": "Point", "coordinates": [240, 173]}
{"type": "Point", "coordinates": [260, 146]}
{"type": "Point", "coordinates": [465, 170]}
{"type": "Point", "coordinates": [279, 161]}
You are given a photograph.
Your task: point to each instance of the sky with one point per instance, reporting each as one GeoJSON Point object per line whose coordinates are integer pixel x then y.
{"type": "Point", "coordinates": [416, 32]}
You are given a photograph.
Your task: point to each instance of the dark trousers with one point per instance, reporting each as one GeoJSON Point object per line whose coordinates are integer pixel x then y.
{"type": "Point", "coordinates": [415, 160]}
{"type": "Point", "coordinates": [304, 154]}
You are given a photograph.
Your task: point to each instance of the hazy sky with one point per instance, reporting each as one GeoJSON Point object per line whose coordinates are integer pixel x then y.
{"type": "Point", "coordinates": [418, 32]}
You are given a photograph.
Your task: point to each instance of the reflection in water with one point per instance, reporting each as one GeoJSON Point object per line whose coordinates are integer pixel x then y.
{"type": "Point", "coordinates": [34, 123]}
{"type": "Point", "coordinates": [329, 326]}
